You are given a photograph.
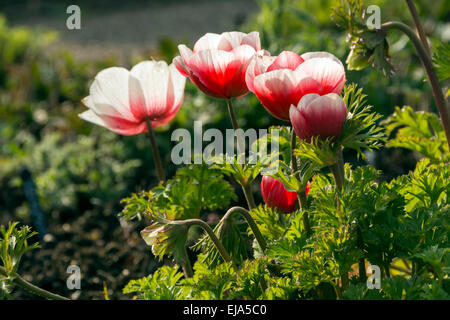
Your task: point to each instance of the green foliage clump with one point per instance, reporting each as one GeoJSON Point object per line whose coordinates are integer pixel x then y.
{"type": "Point", "coordinates": [13, 245]}
{"type": "Point", "coordinates": [366, 221]}
{"type": "Point", "coordinates": [418, 131]}
{"type": "Point", "coordinates": [193, 189]}
{"type": "Point", "coordinates": [161, 285]}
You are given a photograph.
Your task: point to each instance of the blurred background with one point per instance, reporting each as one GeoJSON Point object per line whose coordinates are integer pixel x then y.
{"type": "Point", "coordinates": [75, 173]}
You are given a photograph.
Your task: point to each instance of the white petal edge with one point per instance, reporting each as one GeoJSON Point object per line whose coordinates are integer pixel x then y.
{"type": "Point", "coordinates": [109, 92]}
{"type": "Point", "coordinates": [208, 41]}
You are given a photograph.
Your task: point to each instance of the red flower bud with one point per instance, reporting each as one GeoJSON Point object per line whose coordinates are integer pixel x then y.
{"type": "Point", "coordinates": [318, 116]}
{"type": "Point", "coordinates": [275, 195]}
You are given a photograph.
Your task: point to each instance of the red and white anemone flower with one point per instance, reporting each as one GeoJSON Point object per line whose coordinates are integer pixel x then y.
{"type": "Point", "coordinates": [282, 81]}
{"type": "Point", "coordinates": [218, 62]}
{"type": "Point", "coordinates": [122, 101]}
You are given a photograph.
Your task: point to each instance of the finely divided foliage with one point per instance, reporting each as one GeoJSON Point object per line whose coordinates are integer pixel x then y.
{"type": "Point", "coordinates": [323, 220]}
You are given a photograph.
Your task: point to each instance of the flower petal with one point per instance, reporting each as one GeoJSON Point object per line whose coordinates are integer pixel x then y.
{"type": "Point", "coordinates": [286, 60]}
{"type": "Point", "coordinates": [258, 65]}
{"type": "Point", "coordinates": [216, 70]}
{"type": "Point", "coordinates": [306, 100]}
{"type": "Point", "coordinates": [185, 52]}
{"type": "Point", "coordinates": [208, 41]}
{"type": "Point", "coordinates": [276, 91]}
{"type": "Point", "coordinates": [109, 93]}
{"type": "Point", "coordinates": [181, 66]}
{"type": "Point", "coordinates": [179, 82]}
{"type": "Point", "coordinates": [320, 54]}
{"type": "Point", "coordinates": [151, 90]}
{"type": "Point", "coordinates": [329, 73]}
{"type": "Point", "coordinates": [325, 114]}
{"type": "Point", "coordinates": [230, 40]}
{"type": "Point", "coordinates": [275, 195]}
{"type": "Point", "coordinates": [299, 123]}
{"type": "Point", "coordinates": [180, 61]}
{"type": "Point", "coordinates": [92, 117]}
{"type": "Point", "coordinates": [116, 124]}
{"type": "Point", "coordinates": [252, 39]}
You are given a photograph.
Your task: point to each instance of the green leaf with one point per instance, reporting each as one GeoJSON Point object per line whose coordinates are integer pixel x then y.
{"type": "Point", "coordinates": [360, 130]}
{"type": "Point", "coordinates": [441, 61]}
{"type": "Point", "coordinates": [164, 284]}
{"type": "Point", "coordinates": [271, 223]}
{"type": "Point", "coordinates": [418, 131]}
{"type": "Point", "coordinates": [193, 189]}
{"type": "Point", "coordinates": [211, 283]}
{"type": "Point", "coordinates": [231, 232]}
{"type": "Point", "coordinates": [14, 244]}
{"type": "Point", "coordinates": [366, 46]}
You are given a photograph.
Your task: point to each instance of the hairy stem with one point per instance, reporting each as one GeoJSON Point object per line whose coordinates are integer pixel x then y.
{"type": "Point", "coordinates": [246, 188]}
{"type": "Point", "coordinates": [339, 177]}
{"type": "Point", "coordinates": [187, 267]}
{"type": "Point", "coordinates": [18, 280]}
{"type": "Point", "coordinates": [361, 261]}
{"type": "Point", "coordinates": [191, 222]}
{"type": "Point", "coordinates": [249, 196]}
{"type": "Point", "coordinates": [305, 217]}
{"type": "Point", "coordinates": [338, 170]}
{"type": "Point", "coordinates": [301, 195]}
{"type": "Point", "coordinates": [156, 156]}
{"type": "Point", "coordinates": [428, 65]}
{"type": "Point", "coordinates": [252, 224]}
{"type": "Point", "coordinates": [419, 26]}
{"type": "Point", "coordinates": [241, 145]}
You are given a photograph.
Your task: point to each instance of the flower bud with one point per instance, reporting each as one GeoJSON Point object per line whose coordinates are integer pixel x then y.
{"type": "Point", "coordinates": [318, 116]}
{"type": "Point", "coordinates": [275, 195]}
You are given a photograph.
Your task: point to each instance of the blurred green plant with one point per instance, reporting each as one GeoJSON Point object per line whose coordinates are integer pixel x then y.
{"type": "Point", "coordinates": [13, 245]}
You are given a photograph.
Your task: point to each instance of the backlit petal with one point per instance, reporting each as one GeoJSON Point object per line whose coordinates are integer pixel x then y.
{"type": "Point", "coordinates": [258, 65]}
{"type": "Point", "coordinates": [208, 41]}
{"type": "Point", "coordinates": [329, 73]}
{"type": "Point", "coordinates": [286, 60]}
{"type": "Point", "coordinates": [252, 39]}
{"type": "Point", "coordinates": [151, 89]}
{"type": "Point", "coordinates": [109, 92]}
{"type": "Point", "coordinates": [230, 40]}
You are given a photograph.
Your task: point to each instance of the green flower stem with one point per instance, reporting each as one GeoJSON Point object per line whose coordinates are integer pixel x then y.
{"type": "Point", "coordinates": [428, 65]}
{"type": "Point", "coordinates": [249, 195]}
{"type": "Point", "coordinates": [187, 267]}
{"type": "Point", "coordinates": [18, 280]}
{"type": "Point", "coordinates": [305, 217]}
{"type": "Point", "coordinates": [339, 177]}
{"type": "Point", "coordinates": [361, 261]}
{"type": "Point", "coordinates": [337, 290]}
{"type": "Point", "coordinates": [253, 226]}
{"type": "Point", "coordinates": [419, 26]}
{"type": "Point", "coordinates": [257, 233]}
{"type": "Point", "coordinates": [156, 156]}
{"type": "Point", "coordinates": [338, 170]}
{"type": "Point", "coordinates": [241, 144]}
{"type": "Point", "coordinates": [246, 188]}
{"type": "Point", "coordinates": [191, 222]}
{"type": "Point", "coordinates": [301, 195]}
